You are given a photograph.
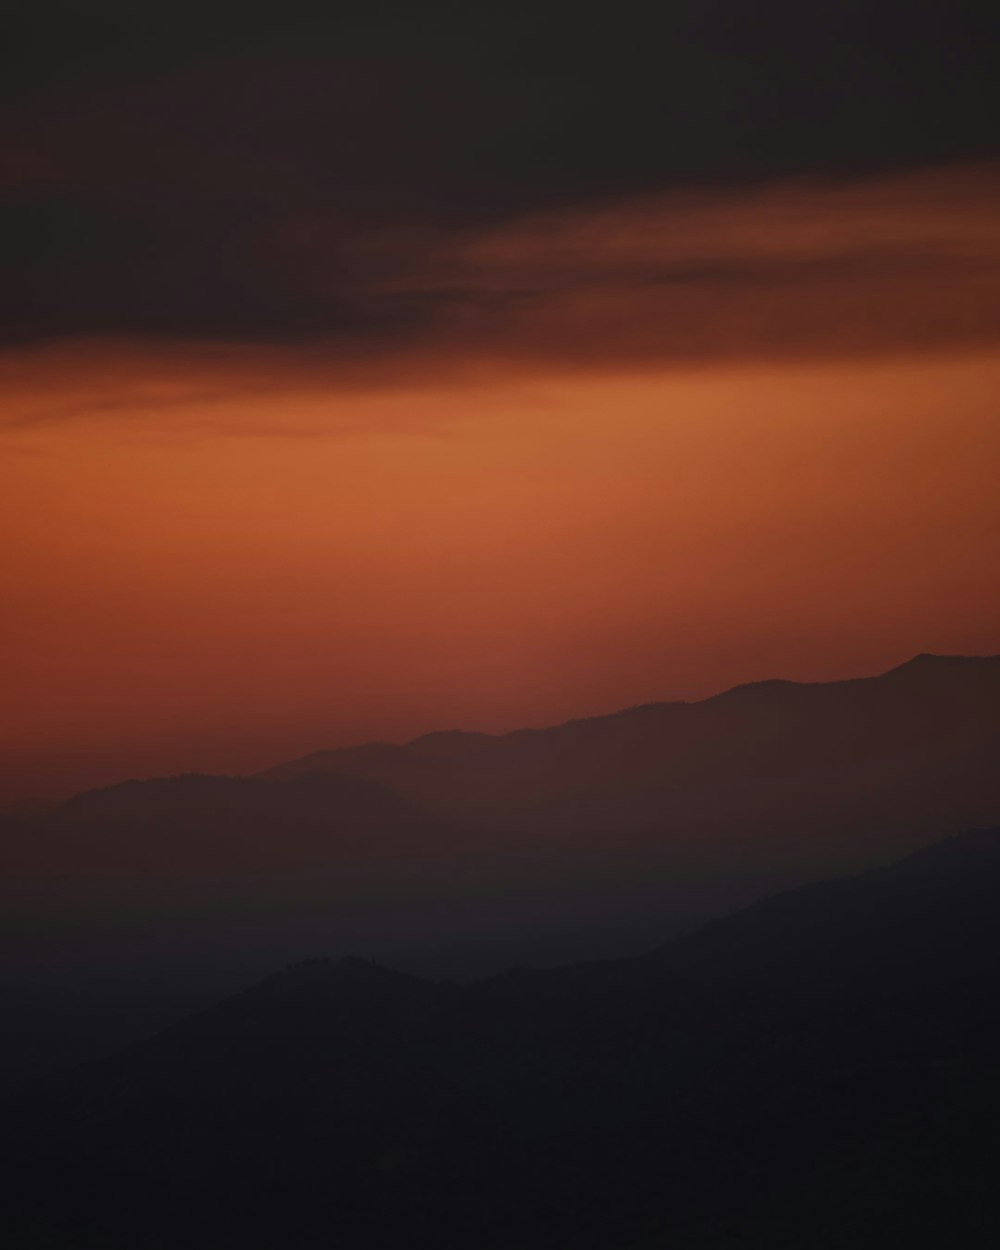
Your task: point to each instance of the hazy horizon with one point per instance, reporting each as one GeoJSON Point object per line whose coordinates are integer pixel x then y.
{"type": "Point", "coordinates": [51, 777]}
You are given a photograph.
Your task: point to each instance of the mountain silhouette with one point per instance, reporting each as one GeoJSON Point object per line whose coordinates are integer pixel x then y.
{"type": "Point", "coordinates": [901, 751]}
{"type": "Point", "coordinates": [461, 853]}
{"type": "Point", "coordinates": [818, 1069]}
{"type": "Point", "coordinates": [196, 822]}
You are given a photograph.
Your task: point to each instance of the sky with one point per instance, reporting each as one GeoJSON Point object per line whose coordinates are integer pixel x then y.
{"type": "Point", "coordinates": [405, 367]}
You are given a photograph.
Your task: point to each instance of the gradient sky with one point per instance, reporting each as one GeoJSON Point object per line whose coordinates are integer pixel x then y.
{"type": "Point", "coordinates": [369, 373]}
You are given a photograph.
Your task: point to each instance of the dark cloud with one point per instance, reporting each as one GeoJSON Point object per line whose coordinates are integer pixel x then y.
{"type": "Point", "coordinates": [180, 170]}
{"type": "Point", "coordinates": [803, 270]}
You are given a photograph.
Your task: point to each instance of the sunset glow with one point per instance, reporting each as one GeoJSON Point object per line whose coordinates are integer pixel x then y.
{"type": "Point", "coordinates": [368, 465]}
{"type": "Point", "coordinates": [223, 579]}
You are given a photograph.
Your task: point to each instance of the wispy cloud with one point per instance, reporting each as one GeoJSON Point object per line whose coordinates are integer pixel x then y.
{"type": "Point", "coordinates": [785, 272]}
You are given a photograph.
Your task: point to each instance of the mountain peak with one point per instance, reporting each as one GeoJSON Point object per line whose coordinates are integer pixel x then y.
{"type": "Point", "coordinates": [753, 690]}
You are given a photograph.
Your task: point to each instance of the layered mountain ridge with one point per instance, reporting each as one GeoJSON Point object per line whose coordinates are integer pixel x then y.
{"type": "Point", "coordinates": [460, 854]}
{"type": "Point", "coordinates": [799, 1073]}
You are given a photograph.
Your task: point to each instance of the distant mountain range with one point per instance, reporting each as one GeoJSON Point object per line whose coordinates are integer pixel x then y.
{"type": "Point", "coordinates": [459, 853]}
{"type": "Point", "coordinates": [818, 1070]}
{"type": "Point", "coordinates": [899, 751]}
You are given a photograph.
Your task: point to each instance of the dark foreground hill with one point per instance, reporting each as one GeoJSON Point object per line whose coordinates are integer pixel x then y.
{"type": "Point", "coordinates": [817, 1071]}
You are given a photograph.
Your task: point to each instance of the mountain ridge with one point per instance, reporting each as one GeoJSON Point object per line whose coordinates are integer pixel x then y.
{"type": "Point", "coordinates": [466, 853]}
{"type": "Point", "coordinates": [919, 663]}
{"type": "Point", "coordinates": [685, 1097]}
{"type": "Point", "coordinates": [922, 662]}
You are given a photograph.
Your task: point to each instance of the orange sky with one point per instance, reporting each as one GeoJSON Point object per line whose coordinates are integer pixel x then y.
{"type": "Point", "coordinates": [720, 440]}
